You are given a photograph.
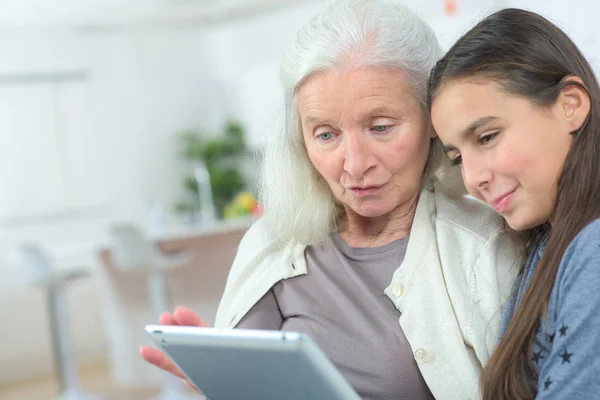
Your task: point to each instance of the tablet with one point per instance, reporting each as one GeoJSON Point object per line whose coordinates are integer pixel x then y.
{"type": "Point", "coordinates": [240, 364]}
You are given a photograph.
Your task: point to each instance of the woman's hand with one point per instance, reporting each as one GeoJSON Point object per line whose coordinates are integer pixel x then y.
{"type": "Point", "coordinates": [182, 316]}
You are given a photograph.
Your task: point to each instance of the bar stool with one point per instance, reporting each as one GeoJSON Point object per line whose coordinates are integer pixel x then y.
{"type": "Point", "coordinates": [132, 251]}
{"type": "Point", "coordinates": [41, 274]}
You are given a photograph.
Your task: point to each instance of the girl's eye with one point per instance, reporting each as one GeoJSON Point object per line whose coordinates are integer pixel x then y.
{"type": "Point", "coordinates": [380, 128]}
{"type": "Point", "coordinates": [325, 136]}
{"type": "Point", "coordinates": [485, 139]}
{"type": "Point", "coordinates": [457, 160]}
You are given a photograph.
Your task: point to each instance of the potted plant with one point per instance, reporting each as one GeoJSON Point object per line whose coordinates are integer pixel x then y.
{"type": "Point", "coordinates": [220, 158]}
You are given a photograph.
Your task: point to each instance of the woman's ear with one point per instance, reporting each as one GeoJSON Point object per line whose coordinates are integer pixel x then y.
{"type": "Point", "coordinates": [574, 103]}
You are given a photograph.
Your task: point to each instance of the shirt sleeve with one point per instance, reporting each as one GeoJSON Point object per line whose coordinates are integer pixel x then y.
{"type": "Point", "coordinates": [265, 314]}
{"type": "Point", "coordinates": [572, 370]}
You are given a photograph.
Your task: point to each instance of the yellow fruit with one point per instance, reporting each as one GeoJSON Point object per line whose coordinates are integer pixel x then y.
{"type": "Point", "coordinates": [233, 210]}
{"type": "Point", "coordinates": [245, 200]}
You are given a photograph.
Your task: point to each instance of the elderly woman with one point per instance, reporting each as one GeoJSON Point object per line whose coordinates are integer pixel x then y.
{"type": "Point", "coordinates": [365, 244]}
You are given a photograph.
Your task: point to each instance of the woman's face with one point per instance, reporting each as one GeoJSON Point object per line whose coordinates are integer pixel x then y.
{"type": "Point", "coordinates": [367, 135]}
{"type": "Point", "coordinates": [511, 151]}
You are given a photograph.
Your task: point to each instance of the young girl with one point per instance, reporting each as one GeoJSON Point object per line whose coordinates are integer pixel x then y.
{"type": "Point", "coordinates": [517, 106]}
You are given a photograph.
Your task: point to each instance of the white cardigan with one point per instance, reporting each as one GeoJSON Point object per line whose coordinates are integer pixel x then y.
{"type": "Point", "coordinates": [457, 273]}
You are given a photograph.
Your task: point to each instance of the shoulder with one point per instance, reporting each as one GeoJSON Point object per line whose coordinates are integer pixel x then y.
{"type": "Point", "coordinates": [258, 238]}
{"type": "Point", "coordinates": [256, 267]}
{"type": "Point", "coordinates": [465, 228]}
{"type": "Point", "coordinates": [466, 225]}
{"type": "Point", "coordinates": [583, 250]}
{"type": "Point", "coordinates": [474, 238]}
{"type": "Point", "coordinates": [480, 257]}
{"type": "Point", "coordinates": [582, 257]}
{"type": "Point", "coordinates": [469, 217]}
{"type": "Point", "coordinates": [256, 235]}
{"type": "Point", "coordinates": [260, 249]}
{"type": "Point", "coordinates": [256, 243]}
{"type": "Point", "coordinates": [587, 240]}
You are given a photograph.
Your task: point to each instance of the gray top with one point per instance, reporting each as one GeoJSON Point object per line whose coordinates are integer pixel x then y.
{"type": "Point", "coordinates": [565, 354]}
{"type": "Point", "coordinates": [341, 305]}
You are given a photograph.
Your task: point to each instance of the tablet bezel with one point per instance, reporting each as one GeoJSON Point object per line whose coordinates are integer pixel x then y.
{"type": "Point", "coordinates": [204, 337]}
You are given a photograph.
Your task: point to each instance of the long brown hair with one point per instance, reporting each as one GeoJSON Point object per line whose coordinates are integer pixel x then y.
{"type": "Point", "coordinates": [531, 57]}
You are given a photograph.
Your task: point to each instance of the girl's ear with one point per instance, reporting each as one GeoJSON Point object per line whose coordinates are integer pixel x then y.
{"type": "Point", "coordinates": [574, 104]}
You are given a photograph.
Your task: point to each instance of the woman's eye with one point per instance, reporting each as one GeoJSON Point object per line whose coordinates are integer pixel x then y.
{"type": "Point", "coordinates": [485, 139]}
{"type": "Point", "coordinates": [325, 136]}
{"type": "Point", "coordinates": [380, 128]}
{"type": "Point", "coordinates": [457, 160]}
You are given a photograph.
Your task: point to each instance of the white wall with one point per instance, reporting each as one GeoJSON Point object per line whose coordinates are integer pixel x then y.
{"type": "Point", "coordinates": [141, 89]}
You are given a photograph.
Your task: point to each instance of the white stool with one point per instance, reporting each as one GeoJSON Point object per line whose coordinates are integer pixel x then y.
{"type": "Point", "coordinates": [131, 252]}
{"type": "Point", "coordinates": [41, 274]}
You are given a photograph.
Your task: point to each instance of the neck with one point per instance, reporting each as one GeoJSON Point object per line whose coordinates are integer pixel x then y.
{"type": "Point", "coordinates": [359, 231]}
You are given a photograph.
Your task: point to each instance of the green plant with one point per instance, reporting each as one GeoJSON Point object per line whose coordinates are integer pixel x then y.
{"type": "Point", "coordinates": [221, 157]}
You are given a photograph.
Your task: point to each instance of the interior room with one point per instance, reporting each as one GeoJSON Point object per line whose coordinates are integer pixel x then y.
{"type": "Point", "coordinates": [134, 130]}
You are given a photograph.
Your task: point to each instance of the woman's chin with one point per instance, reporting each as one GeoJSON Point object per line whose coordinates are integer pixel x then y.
{"type": "Point", "coordinates": [372, 210]}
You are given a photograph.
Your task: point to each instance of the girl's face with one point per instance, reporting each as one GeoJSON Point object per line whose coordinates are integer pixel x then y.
{"type": "Point", "coordinates": [511, 151]}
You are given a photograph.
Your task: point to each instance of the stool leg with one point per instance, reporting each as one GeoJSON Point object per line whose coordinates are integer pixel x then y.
{"type": "Point", "coordinates": [158, 291]}
{"type": "Point", "coordinates": [61, 344]}
{"type": "Point", "coordinates": [66, 365]}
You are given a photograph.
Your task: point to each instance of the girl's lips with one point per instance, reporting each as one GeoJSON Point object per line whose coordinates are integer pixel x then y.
{"type": "Point", "coordinates": [501, 203]}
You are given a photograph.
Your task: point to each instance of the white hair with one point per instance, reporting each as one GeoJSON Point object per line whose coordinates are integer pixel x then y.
{"type": "Point", "coordinates": [298, 203]}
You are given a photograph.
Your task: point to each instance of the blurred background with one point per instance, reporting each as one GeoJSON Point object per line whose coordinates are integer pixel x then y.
{"type": "Point", "coordinates": [131, 132]}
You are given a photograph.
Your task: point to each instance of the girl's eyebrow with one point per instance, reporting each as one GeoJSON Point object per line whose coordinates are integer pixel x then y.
{"type": "Point", "coordinates": [469, 130]}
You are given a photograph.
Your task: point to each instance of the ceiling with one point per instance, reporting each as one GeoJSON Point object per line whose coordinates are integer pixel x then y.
{"type": "Point", "coordinates": [90, 16]}
{"type": "Point", "coordinates": [107, 14]}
